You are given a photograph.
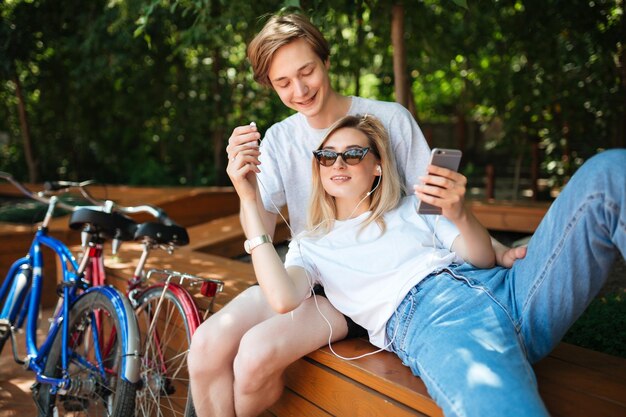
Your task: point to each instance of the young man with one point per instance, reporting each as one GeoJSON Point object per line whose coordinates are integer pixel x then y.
{"type": "Point", "coordinates": [238, 356]}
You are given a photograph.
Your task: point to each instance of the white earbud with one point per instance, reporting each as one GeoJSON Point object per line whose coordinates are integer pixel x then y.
{"type": "Point", "coordinates": [380, 173]}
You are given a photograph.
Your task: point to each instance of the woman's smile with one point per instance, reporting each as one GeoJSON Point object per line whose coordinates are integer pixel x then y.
{"type": "Point", "coordinates": [340, 178]}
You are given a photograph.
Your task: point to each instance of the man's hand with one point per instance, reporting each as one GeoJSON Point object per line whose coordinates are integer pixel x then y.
{"type": "Point", "coordinates": [506, 256]}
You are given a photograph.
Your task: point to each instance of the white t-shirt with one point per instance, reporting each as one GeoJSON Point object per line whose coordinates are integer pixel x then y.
{"type": "Point", "coordinates": [285, 177]}
{"type": "Point", "coordinates": [366, 275]}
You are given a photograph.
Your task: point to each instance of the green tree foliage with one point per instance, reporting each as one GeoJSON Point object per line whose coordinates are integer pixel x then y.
{"type": "Point", "coordinates": [148, 91]}
{"type": "Point", "coordinates": [547, 71]}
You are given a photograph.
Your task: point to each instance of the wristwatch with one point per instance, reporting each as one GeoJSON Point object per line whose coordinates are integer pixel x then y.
{"type": "Point", "coordinates": [250, 244]}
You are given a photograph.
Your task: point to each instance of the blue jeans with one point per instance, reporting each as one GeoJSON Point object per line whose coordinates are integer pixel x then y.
{"type": "Point", "coordinates": [472, 334]}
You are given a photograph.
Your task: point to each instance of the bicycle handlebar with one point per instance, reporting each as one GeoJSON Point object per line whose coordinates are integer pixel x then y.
{"type": "Point", "coordinates": [156, 212]}
{"type": "Point", "coordinates": [106, 206]}
{"type": "Point", "coordinates": [30, 194]}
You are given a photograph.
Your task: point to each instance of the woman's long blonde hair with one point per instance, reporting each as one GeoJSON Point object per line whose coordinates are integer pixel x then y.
{"type": "Point", "coordinates": [322, 208]}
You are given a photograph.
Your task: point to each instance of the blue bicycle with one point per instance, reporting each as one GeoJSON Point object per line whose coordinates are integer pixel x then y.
{"type": "Point", "coordinates": [89, 363]}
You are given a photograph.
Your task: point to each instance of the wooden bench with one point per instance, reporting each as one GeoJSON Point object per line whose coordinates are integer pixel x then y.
{"type": "Point", "coordinates": [573, 381]}
{"type": "Point", "coordinates": [225, 237]}
{"type": "Point", "coordinates": [509, 216]}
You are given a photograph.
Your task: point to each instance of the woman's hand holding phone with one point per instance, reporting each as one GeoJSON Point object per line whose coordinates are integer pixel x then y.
{"type": "Point", "coordinates": [443, 189]}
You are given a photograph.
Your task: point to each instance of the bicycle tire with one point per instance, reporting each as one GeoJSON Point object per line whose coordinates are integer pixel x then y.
{"type": "Point", "coordinates": [164, 387]}
{"type": "Point", "coordinates": [112, 395]}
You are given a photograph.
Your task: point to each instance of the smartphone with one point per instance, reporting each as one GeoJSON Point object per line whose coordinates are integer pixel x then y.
{"type": "Point", "coordinates": [446, 158]}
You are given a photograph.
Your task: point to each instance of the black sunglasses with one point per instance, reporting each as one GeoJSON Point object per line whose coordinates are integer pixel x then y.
{"type": "Point", "coordinates": [352, 156]}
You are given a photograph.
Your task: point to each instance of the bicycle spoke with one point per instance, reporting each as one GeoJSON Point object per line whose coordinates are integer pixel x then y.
{"type": "Point", "coordinates": [94, 360]}
{"type": "Point", "coordinates": [164, 361]}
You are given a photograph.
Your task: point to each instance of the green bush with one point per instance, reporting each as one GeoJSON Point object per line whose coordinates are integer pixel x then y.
{"type": "Point", "coordinates": [602, 327]}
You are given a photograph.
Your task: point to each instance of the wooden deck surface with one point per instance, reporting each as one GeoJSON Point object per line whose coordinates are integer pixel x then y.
{"type": "Point", "coordinates": [573, 381]}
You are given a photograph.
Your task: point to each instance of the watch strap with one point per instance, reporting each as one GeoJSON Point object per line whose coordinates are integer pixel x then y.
{"type": "Point", "coordinates": [250, 244]}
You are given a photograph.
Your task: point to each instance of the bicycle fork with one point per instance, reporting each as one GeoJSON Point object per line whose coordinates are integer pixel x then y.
{"type": "Point", "coordinates": [15, 310]}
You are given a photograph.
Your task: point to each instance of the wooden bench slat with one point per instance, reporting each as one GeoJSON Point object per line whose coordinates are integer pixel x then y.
{"type": "Point", "coordinates": [610, 365]}
{"type": "Point", "coordinates": [293, 405]}
{"type": "Point", "coordinates": [565, 402]}
{"type": "Point", "coordinates": [583, 380]}
{"type": "Point", "coordinates": [382, 372]}
{"type": "Point", "coordinates": [339, 395]}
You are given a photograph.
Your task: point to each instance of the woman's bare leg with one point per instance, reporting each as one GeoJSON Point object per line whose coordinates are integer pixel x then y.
{"type": "Point", "coordinates": [238, 356]}
{"type": "Point", "coordinates": [213, 349]}
{"type": "Point", "coordinates": [267, 349]}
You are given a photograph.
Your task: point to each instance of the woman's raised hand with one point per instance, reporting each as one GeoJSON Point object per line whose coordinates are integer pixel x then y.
{"type": "Point", "coordinates": [445, 189]}
{"type": "Point", "coordinates": [243, 160]}
{"type": "Point", "coordinates": [243, 138]}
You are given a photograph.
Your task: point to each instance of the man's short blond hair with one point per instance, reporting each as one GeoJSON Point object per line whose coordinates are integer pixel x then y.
{"type": "Point", "coordinates": [277, 32]}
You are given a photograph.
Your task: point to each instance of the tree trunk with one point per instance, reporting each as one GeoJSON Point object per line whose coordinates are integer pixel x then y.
{"type": "Point", "coordinates": [217, 137]}
{"type": "Point", "coordinates": [517, 176]}
{"type": "Point", "coordinates": [461, 129]}
{"type": "Point", "coordinates": [490, 182]}
{"type": "Point", "coordinates": [402, 83]}
{"type": "Point", "coordinates": [360, 36]}
{"type": "Point", "coordinates": [534, 168]}
{"type": "Point", "coordinates": [28, 148]}
{"type": "Point", "coordinates": [219, 155]}
{"type": "Point", "coordinates": [399, 54]}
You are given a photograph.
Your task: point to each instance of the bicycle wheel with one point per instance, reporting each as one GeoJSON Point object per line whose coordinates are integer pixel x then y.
{"type": "Point", "coordinates": [97, 386]}
{"type": "Point", "coordinates": [166, 323]}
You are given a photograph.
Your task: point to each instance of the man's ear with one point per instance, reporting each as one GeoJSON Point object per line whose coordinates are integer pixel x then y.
{"type": "Point", "coordinates": [327, 63]}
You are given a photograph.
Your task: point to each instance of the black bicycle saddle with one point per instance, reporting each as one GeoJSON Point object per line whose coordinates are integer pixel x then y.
{"type": "Point", "coordinates": [111, 225]}
{"type": "Point", "coordinates": [163, 234]}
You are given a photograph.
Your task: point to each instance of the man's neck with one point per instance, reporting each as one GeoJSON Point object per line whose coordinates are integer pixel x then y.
{"type": "Point", "coordinates": [335, 108]}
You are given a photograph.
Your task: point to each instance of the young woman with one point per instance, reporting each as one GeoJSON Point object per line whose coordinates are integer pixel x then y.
{"type": "Point", "coordinates": [291, 56]}
{"type": "Point", "coordinates": [426, 288]}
